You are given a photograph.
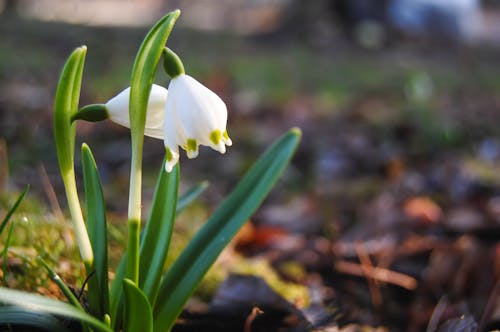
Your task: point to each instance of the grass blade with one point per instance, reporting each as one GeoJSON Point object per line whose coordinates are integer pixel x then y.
{"type": "Point", "coordinates": [64, 288]}
{"type": "Point", "coordinates": [5, 253]}
{"type": "Point", "coordinates": [37, 303]}
{"type": "Point", "coordinates": [98, 291]}
{"type": "Point", "coordinates": [156, 236]}
{"type": "Point", "coordinates": [187, 271]}
{"type": "Point", "coordinates": [138, 314]}
{"type": "Point", "coordinates": [13, 209]}
{"type": "Point", "coordinates": [60, 283]}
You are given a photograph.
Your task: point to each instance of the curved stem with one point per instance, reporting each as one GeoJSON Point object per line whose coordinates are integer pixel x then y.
{"type": "Point", "coordinates": [77, 218]}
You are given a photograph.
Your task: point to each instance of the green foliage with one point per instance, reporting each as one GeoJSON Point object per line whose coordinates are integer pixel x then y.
{"type": "Point", "coordinates": [98, 291]}
{"type": "Point", "coordinates": [138, 314]}
{"type": "Point", "coordinates": [141, 80]}
{"type": "Point", "coordinates": [19, 317]}
{"type": "Point", "coordinates": [42, 304]}
{"type": "Point", "coordinates": [142, 297]}
{"type": "Point", "coordinates": [65, 106]}
{"type": "Point", "coordinates": [158, 232]}
{"type": "Point", "coordinates": [187, 271]}
{"type": "Point", "coordinates": [13, 209]}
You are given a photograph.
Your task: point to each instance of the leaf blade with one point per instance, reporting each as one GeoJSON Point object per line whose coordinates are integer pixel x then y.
{"type": "Point", "coordinates": [98, 289]}
{"type": "Point", "coordinates": [13, 209]}
{"type": "Point", "coordinates": [158, 232]}
{"type": "Point", "coordinates": [187, 271]}
{"type": "Point", "coordinates": [42, 304]}
{"type": "Point", "coordinates": [14, 316]}
{"type": "Point", "coordinates": [138, 313]}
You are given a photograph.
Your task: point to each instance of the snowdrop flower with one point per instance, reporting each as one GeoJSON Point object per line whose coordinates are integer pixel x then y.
{"type": "Point", "coordinates": [194, 115]}
{"type": "Point", "coordinates": [117, 110]}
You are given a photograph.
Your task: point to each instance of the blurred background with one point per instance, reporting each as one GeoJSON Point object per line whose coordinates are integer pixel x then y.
{"type": "Point", "coordinates": [399, 103]}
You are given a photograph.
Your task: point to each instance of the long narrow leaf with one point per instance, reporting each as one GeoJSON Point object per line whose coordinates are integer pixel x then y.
{"type": "Point", "coordinates": [42, 304]}
{"type": "Point", "coordinates": [142, 78]}
{"type": "Point", "coordinates": [5, 253]}
{"type": "Point", "coordinates": [60, 283]}
{"type": "Point", "coordinates": [190, 267]}
{"type": "Point", "coordinates": [158, 232]}
{"type": "Point", "coordinates": [183, 201]}
{"type": "Point", "coordinates": [13, 209]}
{"type": "Point", "coordinates": [65, 106]}
{"type": "Point", "coordinates": [18, 317]}
{"type": "Point", "coordinates": [98, 291]}
{"type": "Point", "coordinates": [138, 313]}
{"type": "Point", "coordinates": [64, 288]}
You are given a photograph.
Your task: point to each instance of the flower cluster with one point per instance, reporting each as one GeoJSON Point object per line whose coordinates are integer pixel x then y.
{"type": "Point", "coordinates": [186, 115]}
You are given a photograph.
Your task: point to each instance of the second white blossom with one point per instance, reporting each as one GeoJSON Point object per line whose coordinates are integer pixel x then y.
{"type": "Point", "coordinates": [194, 115]}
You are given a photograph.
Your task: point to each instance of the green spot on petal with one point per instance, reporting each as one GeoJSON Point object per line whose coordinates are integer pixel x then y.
{"type": "Point", "coordinates": [168, 154]}
{"type": "Point", "coordinates": [191, 144]}
{"type": "Point", "coordinates": [215, 136]}
{"type": "Point", "coordinates": [225, 135]}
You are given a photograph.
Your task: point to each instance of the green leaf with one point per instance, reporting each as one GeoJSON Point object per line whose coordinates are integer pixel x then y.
{"type": "Point", "coordinates": [13, 209]}
{"type": "Point", "coordinates": [18, 317]}
{"type": "Point", "coordinates": [187, 271]}
{"type": "Point", "coordinates": [116, 286]}
{"type": "Point", "coordinates": [64, 288]}
{"type": "Point", "coordinates": [156, 236]}
{"type": "Point", "coordinates": [98, 291]}
{"type": "Point", "coordinates": [190, 196]}
{"type": "Point", "coordinates": [37, 303]}
{"type": "Point", "coordinates": [60, 283]}
{"type": "Point", "coordinates": [138, 314]}
{"type": "Point", "coordinates": [141, 80]}
{"type": "Point", "coordinates": [65, 106]}
{"type": "Point", "coordinates": [144, 70]}
{"type": "Point", "coordinates": [143, 73]}
{"type": "Point", "coordinates": [5, 253]}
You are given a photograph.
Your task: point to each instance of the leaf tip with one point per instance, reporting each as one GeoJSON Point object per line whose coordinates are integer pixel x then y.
{"type": "Point", "coordinates": [176, 13]}
{"type": "Point", "coordinates": [296, 131]}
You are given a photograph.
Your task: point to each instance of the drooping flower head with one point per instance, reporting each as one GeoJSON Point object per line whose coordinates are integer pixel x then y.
{"type": "Point", "coordinates": [117, 110]}
{"type": "Point", "coordinates": [194, 115]}
{"type": "Point", "coordinates": [187, 115]}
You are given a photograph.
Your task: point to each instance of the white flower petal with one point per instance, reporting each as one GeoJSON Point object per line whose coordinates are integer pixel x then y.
{"type": "Point", "coordinates": [118, 109]}
{"type": "Point", "coordinates": [194, 116]}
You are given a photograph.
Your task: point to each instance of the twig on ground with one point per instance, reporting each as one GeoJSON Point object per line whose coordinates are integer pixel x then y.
{"type": "Point", "coordinates": [380, 274]}
{"type": "Point", "coordinates": [248, 322]}
{"type": "Point", "coordinates": [367, 266]}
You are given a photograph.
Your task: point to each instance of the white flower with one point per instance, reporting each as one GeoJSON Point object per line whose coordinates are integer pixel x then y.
{"type": "Point", "coordinates": [194, 116]}
{"type": "Point", "coordinates": [118, 110]}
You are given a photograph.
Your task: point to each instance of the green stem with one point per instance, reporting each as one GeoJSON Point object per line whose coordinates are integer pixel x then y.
{"type": "Point", "coordinates": [133, 250]}
{"type": "Point", "coordinates": [134, 210]}
{"type": "Point", "coordinates": [78, 221]}
{"type": "Point", "coordinates": [141, 80]}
